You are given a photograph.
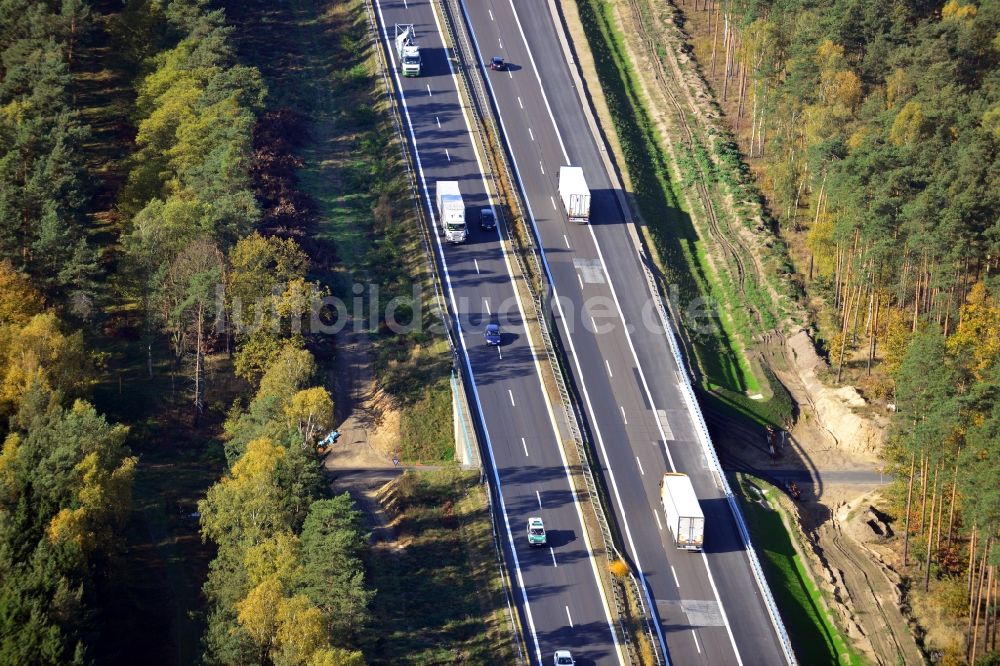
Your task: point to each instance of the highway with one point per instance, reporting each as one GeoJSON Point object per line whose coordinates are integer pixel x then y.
{"type": "Point", "coordinates": [556, 588]}
{"type": "Point", "coordinates": [710, 609]}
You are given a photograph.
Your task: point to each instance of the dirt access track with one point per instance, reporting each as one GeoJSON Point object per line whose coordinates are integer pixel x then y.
{"type": "Point", "coordinates": [830, 452]}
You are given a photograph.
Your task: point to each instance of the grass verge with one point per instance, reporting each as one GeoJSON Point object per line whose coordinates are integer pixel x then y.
{"type": "Point", "coordinates": [318, 59]}
{"type": "Point", "coordinates": [439, 598]}
{"type": "Point", "coordinates": [815, 638]}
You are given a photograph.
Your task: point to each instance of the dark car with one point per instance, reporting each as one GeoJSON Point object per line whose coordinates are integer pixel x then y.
{"type": "Point", "coordinates": [497, 63]}
{"type": "Point", "coordinates": [487, 221]}
{"type": "Point", "coordinates": [492, 335]}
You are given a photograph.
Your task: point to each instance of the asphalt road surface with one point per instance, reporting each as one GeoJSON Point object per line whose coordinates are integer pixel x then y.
{"type": "Point", "coordinates": [557, 590]}
{"type": "Point", "coordinates": [709, 607]}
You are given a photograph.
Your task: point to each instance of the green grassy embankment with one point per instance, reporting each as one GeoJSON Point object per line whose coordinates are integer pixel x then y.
{"type": "Point", "coordinates": [681, 255]}
{"type": "Point", "coordinates": [815, 637]}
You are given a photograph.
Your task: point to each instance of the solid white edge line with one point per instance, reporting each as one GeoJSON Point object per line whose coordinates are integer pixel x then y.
{"type": "Point", "coordinates": [684, 384]}
{"type": "Point", "coordinates": [548, 402]}
{"type": "Point", "coordinates": [531, 59]}
{"type": "Point", "coordinates": [600, 439]}
{"type": "Point", "coordinates": [628, 338]}
{"type": "Point", "coordinates": [451, 295]}
{"type": "Point", "coordinates": [597, 433]}
{"type": "Point", "coordinates": [722, 609]}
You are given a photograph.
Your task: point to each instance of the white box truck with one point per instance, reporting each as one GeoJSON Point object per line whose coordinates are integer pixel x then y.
{"type": "Point", "coordinates": [684, 516]}
{"type": "Point", "coordinates": [574, 193]}
{"type": "Point", "coordinates": [451, 211]}
{"type": "Point", "coordinates": [407, 50]}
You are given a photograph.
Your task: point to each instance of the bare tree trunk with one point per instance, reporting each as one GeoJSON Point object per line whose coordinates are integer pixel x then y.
{"type": "Point", "coordinates": [862, 288]}
{"type": "Point", "coordinates": [972, 561]}
{"type": "Point", "coordinates": [930, 533]}
{"type": "Point", "coordinates": [844, 331]}
{"type": "Point", "coordinates": [819, 200]}
{"type": "Point", "coordinates": [743, 89]}
{"type": "Point", "coordinates": [715, 36]}
{"type": "Point", "coordinates": [925, 471]}
{"type": "Point", "coordinates": [947, 310]}
{"type": "Point", "coordinates": [996, 612]}
{"type": "Point", "coordinates": [727, 45]}
{"type": "Point", "coordinates": [904, 277]}
{"type": "Point", "coordinates": [951, 509]}
{"type": "Point", "coordinates": [978, 604]}
{"type": "Point", "coordinates": [760, 132]}
{"type": "Point", "coordinates": [909, 498]}
{"type": "Point", "coordinates": [986, 608]}
{"type": "Point", "coordinates": [962, 285]}
{"type": "Point", "coordinates": [838, 269]}
{"type": "Point", "coordinates": [940, 516]}
{"type": "Point", "coordinates": [199, 355]}
{"type": "Point", "coordinates": [872, 341]}
{"type": "Point", "coordinates": [798, 195]}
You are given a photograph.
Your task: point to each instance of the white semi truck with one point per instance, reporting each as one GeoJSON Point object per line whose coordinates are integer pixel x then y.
{"type": "Point", "coordinates": [684, 516]}
{"type": "Point", "coordinates": [451, 211]}
{"type": "Point", "coordinates": [407, 50]}
{"type": "Point", "coordinates": [574, 193]}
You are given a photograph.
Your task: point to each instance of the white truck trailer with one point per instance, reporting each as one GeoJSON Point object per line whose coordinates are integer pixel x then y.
{"type": "Point", "coordinates": [451, 211]}
{"type": "Point", "coordinates": [407, 50]}
{"type": "Point", "coordinates": [574, 193]}
{"type": "Point", "coordinates": [684, 516]}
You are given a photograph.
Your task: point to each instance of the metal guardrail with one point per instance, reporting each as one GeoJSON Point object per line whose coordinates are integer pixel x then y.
{"type": "Point", "coordinates": [441, 309]}
{"type": "Point", "coordinates": [709, 449]}
{"type": "Point", "coordinates": [505, 577]}
{"type": "Point", "coordinates": [704, 437]}
{"type": "Point", "coordinates": [476, 93]}
{"type": "Point", "coordinates": [397, 122]}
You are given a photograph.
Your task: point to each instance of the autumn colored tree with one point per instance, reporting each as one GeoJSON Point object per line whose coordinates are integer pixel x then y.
{"type": "Point", "coordinates": [65, 490]}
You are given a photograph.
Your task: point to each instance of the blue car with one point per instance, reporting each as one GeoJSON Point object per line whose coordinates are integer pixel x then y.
{"type": "Point", "coordinates": [492, 335]}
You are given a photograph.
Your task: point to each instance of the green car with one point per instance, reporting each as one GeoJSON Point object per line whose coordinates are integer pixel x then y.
{"type": "Point", "coordinates": [536, 532]}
